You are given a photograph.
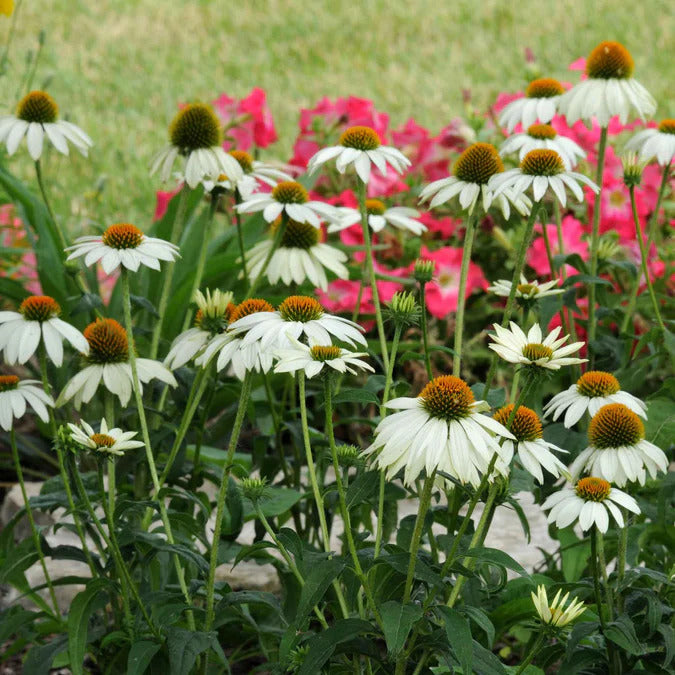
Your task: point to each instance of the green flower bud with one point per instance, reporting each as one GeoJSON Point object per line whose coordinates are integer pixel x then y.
{"type": "Point", "coordinates": [632, 169]}
{"type": "Point", "coordinates": [423, 270]}
{"type": "Point", "coordinates": [404, 309]}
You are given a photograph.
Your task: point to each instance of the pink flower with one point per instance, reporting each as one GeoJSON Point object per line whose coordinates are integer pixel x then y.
{"type": "Point", "coordinates": [23, 265]}
{"type": "Point", "coordinates": [163, 199]}
{"type": "Point", "coordinates": [572, 230]}
{"type": "Point", "coordinates": [443, 227]}
{"type": "Point", "coordinates": [251, 120]}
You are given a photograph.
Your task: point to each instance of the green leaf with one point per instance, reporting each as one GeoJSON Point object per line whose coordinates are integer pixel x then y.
{"type": "Point", "coordinates": [317, 582]}
{"type": "Point", "coordinates": [660, 422]}
{"type": "Point", "coordinates": [585, 279]}
{"type": "Point", "coordinates": [252, 598]}
{"type": "Point", "coordinates": [622, 632]}
{"type": "Point", "coordinates": [18, 560]}
{"type": "Point", "coordinates": [278, 500]}
{"type": "Point", "coordinates": [481, 619]}
{"type": "Point", "coordinates": [575, 554]}
{"type": "Point", "coordinates": [363, 488]}
{"type": "Point", "coordinates": [494, 556]}
{"type": "Point", "coordinates": [185, 646]}
{"type": "Point", "coordinates": [217, 457]}
{"type": "Point", "coordinates": [397, 620]}
{"type": "Point", "coordinates": [143, 303]}
{"type": "Point", "coordinates": [233, 519]}
{"type": "Point", "coordinates": [458, 632]}
{"type": "Point", "coordinates": [140, 655]}
{"type": "Point", "coordinates": [356, 396]}
{"type": "Point", "coordinates": [10, 288]}
{"type": "Point", "coordinates": [83, 606]}
{"type": "Point", "coordinates": [39, 659]}
{"type": "Point", "coordinates": [496, 397]}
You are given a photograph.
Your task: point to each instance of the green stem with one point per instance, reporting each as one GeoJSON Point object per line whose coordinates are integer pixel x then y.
{"type": "Point", "coordinates": [43, 192]}
{"type": "Point", "coordinates": [126, 304]}
{"type": "Point", "coordinates": [541, 638]}
{"type": "Point", "coordinates": [371, 271]}
{"type": "Point", "coordinates": [110, 420]}
{"type": "Point", "coordinates": [621, 558]}
{"type": "Point", "coordinates": [425, 331]}
{"type": "Point", "coordinates": [281, 230]}
{"type": "Point", "coordinates": [596, 576]}
{"type": "Point", "coordinates": [240, 238]}
{"type": "Point", "coordinates": [461, 297]}
{"type": "Point", "coordinates": [425, 502]}
{"type": "Point", "coordinates": [603, 571]}
{"type": "Point", "coordinates": [595, 240]}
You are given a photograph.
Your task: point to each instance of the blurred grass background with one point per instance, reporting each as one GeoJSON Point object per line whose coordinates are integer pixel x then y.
{"type": "Point", "coordinates": [118, 68]}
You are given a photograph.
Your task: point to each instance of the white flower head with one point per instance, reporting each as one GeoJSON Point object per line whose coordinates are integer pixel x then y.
{"type": "Point", "coordinates": [472, 172]}
{"type": "Point", "coordinates": [106, 441]}
{"type": "Point", "coordinates": [591, 501]}
{"type": "Point", "coordinates": [532, 350]}
{"type": "Point", "coordinates": [442, 429]}
{"type": "Point", "coordinates": [539, 104]}
{"type": "Point", "coordinates": [15, 394]}
{"type": "Point", "coordinates": [123, 244]}
{"type": "Point", "coordinates": [618, 450]}
{"type": "Point", "coordinates": [108, 363]}
{"type": "Point", "coordinates": [312, 359]}
{"type": "Point", "coordinates": [609, 89]}
{"type": "Point", "coordinates": [37, 319]}
{"type": "Point", "coordinates": [195, 136]}
{"type": "Point", "coordinates": [544, 171]}
{"type": "Point", "coordinates": [556, 614]}
{"type": "Point", "coordinates": [300, 256]}
{"type": "Point", "coordinates": [659, 143]}
{"type": "Point", "coordinates": [400, 217]}
{"type": "Point", "coordinates": [36, 118]}
{"type": "Point", "coordinates": [593, 390]}
{"type": "Point", "coordinates": [361, 147]}
{"type": "Point", "coordinates": [543, 137]}
{"type": "Point", "coordinates": [526, 290]}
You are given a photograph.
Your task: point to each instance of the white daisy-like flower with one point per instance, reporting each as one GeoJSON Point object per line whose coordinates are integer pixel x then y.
{"type": "Point", "coordinates": [36, 118]}
{"type": "Point", "coordinates": [299, 256]}
{"type": "Point", "coordinates": [362, 148]}
{"type": "Point", "coordinates": [593, 390]}
{"type": "Point", "coordinates": [472, 173]}
{"type": "Point", "coordinates": [543, 137]}
{"type": "Point", "coordinates": [539, 104]}
{"type": "Point", "coordinates": [526, 290]}
{"type": "Point", "coordinates": [533, 451]}
{"type": "Point", "coordinates": [590, 501]}
{"type": "Point", "coordinates": [608, 90]}
{"type": "Point", "coordinates": [213, 315]}
{"type": "Point", "coordinates": [532, 350]}
{"type": "Point", "coordinates": [289, 198]}
{"type": "Point", "coordinates": [230, 348]}
{"type": "Point", "coordinates": [195, 136]}
{"type": "Point", "coordinates": [543, 170]}
{"type": "Point", "coordinates": [15, 394]}
{"type": "Point", "coordinates": [312, 359]}
{"type": "Point", "coordinates": [108, 363]}
{"type": "Point", "coordinates": [37, 318]}
{"type": "Point", "coordinates": [297, 315]}
{"type": "Point", "coordinates": [123, 244]}
{"type": "Point", "coordinates": [106, 441]}
{"type": "Point", "coordinates": [659, 143]}
{"type": "Point", "coordinates": [442, 429]}
{"type": "Point", "coordinates": [556, 614]}
{"type": "Point", "coordinates": [618, 450]}
{"type": "Point", "coordinates": [400, 217]}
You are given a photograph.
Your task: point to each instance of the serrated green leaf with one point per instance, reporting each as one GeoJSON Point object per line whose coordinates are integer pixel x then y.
{"type": "Point", "coordinates": [458, 632]}
{"type": "Point", "coordinates": [82, 607]}
{"type": "Point", "coordinates": [397, 621]}
{"type": "Point", "coordinates": [140, 656]}
{"type": "Point", "coordinates": [356, 396]}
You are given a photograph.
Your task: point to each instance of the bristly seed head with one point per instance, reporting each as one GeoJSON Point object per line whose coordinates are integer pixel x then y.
{"type": "Point", "coordinates": [299, 235]}
{"type": "Point", "coordinates": [593, 489]}
{"type": "Point", "coordinates": [667, 126]}
{"type": "Point", "coordinates": [544, 87]}
{"type": "Point", "coordinates": [39, 308]}
{"type": "Point", "coordinates": [542, 131]}
{"type": "Point", "coordinates": [534, 352]}
{"type": "Point", "coordinates": [103, 440]}
{"type": "Point", "coordinates": [290, 192]}
{"type": "Point", "coordinates": [8, 382]}
{"type": "Point", "coordinates": [300, 308]}
{"type": "Point", "coordinates": [38, 107]}
{"type": "Point", "coordinates": [597, 383]}
{"type": "Point", "coordinates": [447, 397]}
{"type": "Point", "coordinates": [122, 235]}
{"type": "Point", "coordinates": [195, 126]}
{"type": "Point", "coordinates": [325, 353]}
{"type": "Point", "coordinates": [478, 163]}
{"type": "Point", "coordinates": [250, 306]}
{"type": "Point", "coordinates": [108, 342]}
{"type": "Point", "coordinates": [542, 162]}
{"type": "Point", "coordinates": [610, 60]}
{"type": "Point", "coordinates": [245, 160]}
{"type": "Point", "coordinates": [360, 138]}
{"type": "Point", "coordinates": [375, 207]}
{"type": "Point", "coordinates": [615, 426]}
{"type": "Point", "coordinates": [525, 426]}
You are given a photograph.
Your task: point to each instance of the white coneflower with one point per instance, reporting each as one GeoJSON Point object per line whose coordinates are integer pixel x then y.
{"type": "Point", "coordinates": [37, 318]}
{"type": "Point", "coordinates": [442, 429]}
{"type": "Point", "coordinates": [314, 358]}
{"type": "Point", "coordinates": [593, 390]}
{"type": "Point", "coordinates": [590, 501]}
{"type": "Point", "coordinates": [539, 104]}
{"type": "Point", "coordinates": [108, 363]}
{"type": "Point", "coordinates": [618, 450]}
{"type": "Point", "coordinates": [659, 143]}
{"type": "Point", "coordinates": [195, 136]}
{"type": "Point", "coordinates": [299, 256]}
{"type": "Point", "coordinates": [106, 441]}
{"type": "Point", "coordinates": [123, 244]}
{"type": "Point", "coordinates": [609, 89]}
{"type": "Point", "coordinates": [15, 394]}
{"type": "Point", "coordinates": [543, 170]}
{"type": "Point", "coordinates": [361, 147]}
{"type": "Point", "coordinates": [472, 172]}
{"type": "Point", "coordinates": [36, 118]}
{"type": "Point", "coordinates": [543, 137]}
{"type": "Point", "coordinates": [400, 217]}
{"type": "Point", "coordinates": [531, 349]}
{"type": "Point", "coordinates": [527, 290]}
{"type": "Point", "coordinates": [533, 451]}
{"type": "Point", "coordinates": [556, 614]}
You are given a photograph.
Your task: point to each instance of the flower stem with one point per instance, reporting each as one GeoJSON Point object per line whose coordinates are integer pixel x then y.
{"type": "Point", "coordinates": [425, 331]}
{"type": "Point", "coordinates": [461, 297]}
{"type": "Point", "coordinates": [596, 575]}
{"type": "Point", "coordinates": [532, 653]}
{"type": "Point", "coordinates": [371, 272]}
{"type": "Point", "coordinates": [240, 238]}
{"type": "Point", "coordinates": [275, 245]}
{"type": "Point", "coordinates": [621, 559]}
{"type": "Point", "coordinates": [595, 239]}
{"type": "Point", "coordinates": [43, 192]}
{"type": "Point", "coordinates": [126, 304]}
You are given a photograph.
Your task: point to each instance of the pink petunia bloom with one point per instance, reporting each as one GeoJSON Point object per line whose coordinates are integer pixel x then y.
{"type": "Point", "coordinates": [251, 120]}
{"type": "Point", "coordinates": [443, 227]}
{"type": "Point", "coordinates": [573, 232]}
{"type": "Point", "coordinates": [13, 235]}
{"type": "Point", "coordinates": [163, 199]}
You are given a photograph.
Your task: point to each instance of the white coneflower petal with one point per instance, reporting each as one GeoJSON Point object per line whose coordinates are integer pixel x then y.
{"type": "Point", "coordinates": [313, 358]}
{"type": "Point", "coordinates": [539, 104]}
{"type": "Point", "coordinates": [106, 441]}
{"type": "Point", "coordinates": [15, 394]}
{"type": "Point", "coordinates": [556, 614]}
{"type": "Point", "coordinates": [400, 217]}
{"type": "Point", "coordinates": [527, 290]}
{"type": "Point", "coordinates": [659, 143]}
{"type": "Point", "coordinates": [543, 137]}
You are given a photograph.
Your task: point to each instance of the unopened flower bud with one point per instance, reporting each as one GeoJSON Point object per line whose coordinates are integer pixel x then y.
{"type": "Point", "coordinates": [403, 308]}
{"type": "Point", "coordinates": [632, 169]}
{"type": "Point", "coordinates": [423, 270]}
{"type": "Point", "coordinates": [254, 488]}
{"type": "Point", "coordinates": [348, 455]}
{"type": "Point", "coordinates": [608, 246]}
{"type": "Point", "coordinates": [64, 440]}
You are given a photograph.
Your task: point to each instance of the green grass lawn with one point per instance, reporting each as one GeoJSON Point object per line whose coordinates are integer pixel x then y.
{"type": "Point", "coordinates": [118, 68]}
